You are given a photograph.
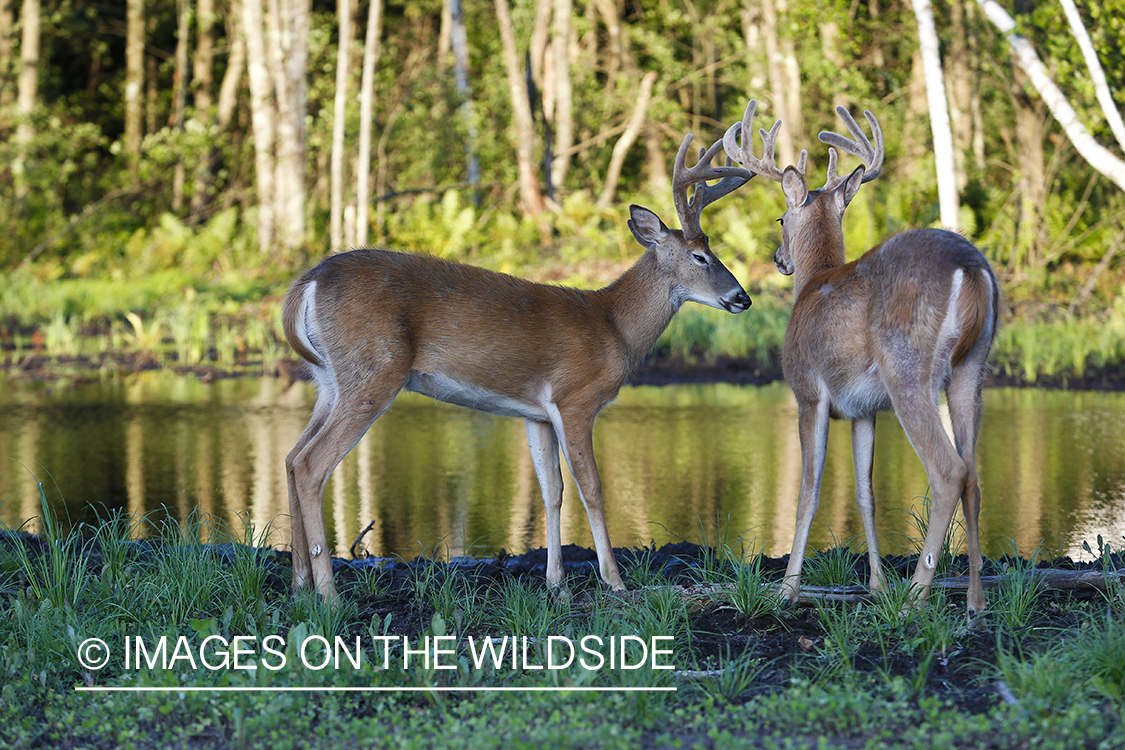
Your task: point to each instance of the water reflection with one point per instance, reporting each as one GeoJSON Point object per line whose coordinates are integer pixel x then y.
{"type": "Point", "coordinates": [702, 463]}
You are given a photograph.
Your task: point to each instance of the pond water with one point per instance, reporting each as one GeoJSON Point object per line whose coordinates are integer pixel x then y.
{"type": "Point", "coordinates": [704, 463]}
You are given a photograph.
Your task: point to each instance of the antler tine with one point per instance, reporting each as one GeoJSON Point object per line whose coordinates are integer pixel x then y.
{"type": "Point", "coordinates": [872, 157]}
{"type": "Point", "coordinates": [683, 177]}
{"type": "Point", "coordinates": [744, 153]}
{"type": "Point", "coordinates": [802, 161]}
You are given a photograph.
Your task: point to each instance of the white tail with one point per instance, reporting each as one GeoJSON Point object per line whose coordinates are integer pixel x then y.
{"type": "Point", "coordinates": [370, 323]}
{"type": "Point", "coordinates": [913, 316]}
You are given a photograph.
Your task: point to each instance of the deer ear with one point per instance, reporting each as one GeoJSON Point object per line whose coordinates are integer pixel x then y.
{"type": "Point", "coordinates": [646, 226]}
{"type": "Point", "coordinates": [795, 188]}
{"type": "Point", "coordinates": [851, 185]}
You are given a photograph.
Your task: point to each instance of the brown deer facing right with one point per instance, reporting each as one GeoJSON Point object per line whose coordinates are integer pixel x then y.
{"type": "Point", "coordinates": [370, 323]}
{"type": "Point", "coordinates": [913, 316]}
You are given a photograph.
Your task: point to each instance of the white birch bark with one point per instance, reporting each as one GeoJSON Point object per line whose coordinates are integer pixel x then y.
{"type": "Point", "coordinates": [340, 111]}
{"type": "Point", "coordinates": [262, 115]}
{"type": "Point", "coordinates": [564, 117]}
{"type": "Point", "coordinates": [134, 83]}
{"type": "Point", "coordinates": [1097, 155]}
{"type": "Point", "coordinates": [1101, 87]}
{"type": "Point", "coordinates": [236, 62]}
{"type": "Point", "coordinates": [366, 104]}
{"type": "Point", "coordinates": [288, 41]}
{"type": "Point", "coordinates": [944, 161]}
{"type": "Point", "coordinates": [526, 141]}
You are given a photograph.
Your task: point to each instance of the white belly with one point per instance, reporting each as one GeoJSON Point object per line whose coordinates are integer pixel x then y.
{"type": "Point", "coordinates": [863, 397]}
{"type": "Point", "coordinates": [451, 391]}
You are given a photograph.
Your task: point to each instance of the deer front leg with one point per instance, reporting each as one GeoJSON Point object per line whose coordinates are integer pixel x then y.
{"type": "Point", "coordinates": [863, 456]}
{"type": "Point", "coordinates": [544, 445]}
{"type": "Point", "coordinates": [812, 423]}
{"type": "Point", "coordinates": [576, 436]}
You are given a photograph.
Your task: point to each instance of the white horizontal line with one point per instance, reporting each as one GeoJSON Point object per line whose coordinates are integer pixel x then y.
{"type": "Point", "coordinates": [300, 689]}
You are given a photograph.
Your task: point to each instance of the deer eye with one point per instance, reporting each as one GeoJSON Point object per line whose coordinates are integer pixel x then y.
{"type": "Point", "coordinates": [699, 258]}
{"type": "Point", "coordinates": [781, 221]}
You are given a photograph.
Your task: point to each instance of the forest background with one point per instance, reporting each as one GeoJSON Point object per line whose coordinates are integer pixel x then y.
{"type": "Point", "coordinates": [167, 167]}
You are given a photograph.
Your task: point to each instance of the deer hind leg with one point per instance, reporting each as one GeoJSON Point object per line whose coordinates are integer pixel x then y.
{"type": "Point", "coordinates": [302, 566]}
{"type": "Point", "coordinates": [354, 410]}
{"type": "Point", "coordinates": [964, 397]}
{"type": "Point", "coordinates": [575, 433]}
{"type": "Point", "coordinates": [863, 455]}
{"type": "Point", "coordinates": [544, 445]}
{"type": "Point", "coordinates": [812, 424]}
{"type": "Point", "coordinates": [917, 411]}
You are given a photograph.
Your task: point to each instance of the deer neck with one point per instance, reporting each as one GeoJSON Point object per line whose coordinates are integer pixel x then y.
{"type": "Point", "coordinates": [640, 305]}
{"type": "Point", "coordinates": [816, 251]}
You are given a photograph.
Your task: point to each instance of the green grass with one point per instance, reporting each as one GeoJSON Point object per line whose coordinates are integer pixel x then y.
{"type": "Point", "coordinates": [202, 578]}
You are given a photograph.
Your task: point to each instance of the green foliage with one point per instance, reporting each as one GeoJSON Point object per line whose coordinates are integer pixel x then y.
{"type": "Point", "coordinates": [106, 244]}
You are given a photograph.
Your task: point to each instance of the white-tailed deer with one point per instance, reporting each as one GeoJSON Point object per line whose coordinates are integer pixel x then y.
{"type": "Point", "coordinates": [370, 323]}
{"type": "Point", "coordinates": [911, 317]}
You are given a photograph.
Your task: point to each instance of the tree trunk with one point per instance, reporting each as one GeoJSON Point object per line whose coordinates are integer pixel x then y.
{"type": "Point", "coordinates": [777, 82]}
{"type": "Point", "coordinates": [366, 104]}
{"type": "Point", "coordinates": [288, 41]}
{"type": "Point", "coordinates": [794, 117]}
{"type": "Point", "coordinates": [521, 116]}
{"type": "Point", "coordinates": [262, 116]}
{"type": "Point", "coordinates": [202, 79]}
{"type": "Point", "coordinates": [948, 200]}
{"type": "Point", "coordinates": [445, 35]}
{"type": "Point", "coordinates": [236, 62]}
{"type": "Point", "coordinates": [179, 95]}
{"type": "Point", "coordinates": [343, 56]}
{"type": "Point", "coordinates": [6, 67]}
{"type": "Point", "coordinates": [134, 83]}
{"type": "Point", "coordinates": [1031, 172]}
{"type": "Point", "coordinates": [152, 84]}
{"type": "Point", "coordinates": [28, 93]}
{"type": "Point", "coordinates": [959, 84]}
{"type": "Point", "coordinates": [540, 36]}
{"type": "Point", "coordinates": [564, 117]}
{"type": "Point", "coordinates": [460, 42]}
{"type": "Point", "coordinates": [621, 148]}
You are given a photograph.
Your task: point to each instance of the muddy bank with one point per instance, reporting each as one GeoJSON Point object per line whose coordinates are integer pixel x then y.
{"type": "Point", "coordinates": [655, 371]}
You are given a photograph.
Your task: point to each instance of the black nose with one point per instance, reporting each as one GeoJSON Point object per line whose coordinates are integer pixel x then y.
{"type": "Point", "coordinates": [737, 303]}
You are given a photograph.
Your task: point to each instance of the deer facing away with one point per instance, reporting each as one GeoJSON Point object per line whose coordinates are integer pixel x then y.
{"type": "Point", "coordinates": [370, 323]}
{"type": "Point", "coordinates": [912, 317]}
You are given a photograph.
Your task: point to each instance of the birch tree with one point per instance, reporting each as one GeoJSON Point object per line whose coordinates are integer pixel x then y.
{"type": "Point", "coordinates": [343, 56]}
{"type": "Point", "coordinates": [1095, 154]}
{"type": "Point", "coordinates": [262, 115]}
{"type": "Point", "coordinates": [1097, 75]}
{"type": "Point", "coordinates": [288, 24]}
{"type": "Point", "coordinates": [202, 75]}
{"type": "Point", "coordinates": [236, 63]}
{"type": "Point", "coordinates": [521, 115]}
{"type": "Point", "coordinates": [28, 93]}
{"type": "Point", "coordinates": [564, 117]}
{"type": "Point", "coordinates": [134, 83]}
{"type": "Point", "coordinates": [366, 105]}
{"type": "Point", "coordinates": [6, 27]}
{"type": "Point", "coordinates": [944, 160]}
{"type": "Point", "coordinates": [179, 95]}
